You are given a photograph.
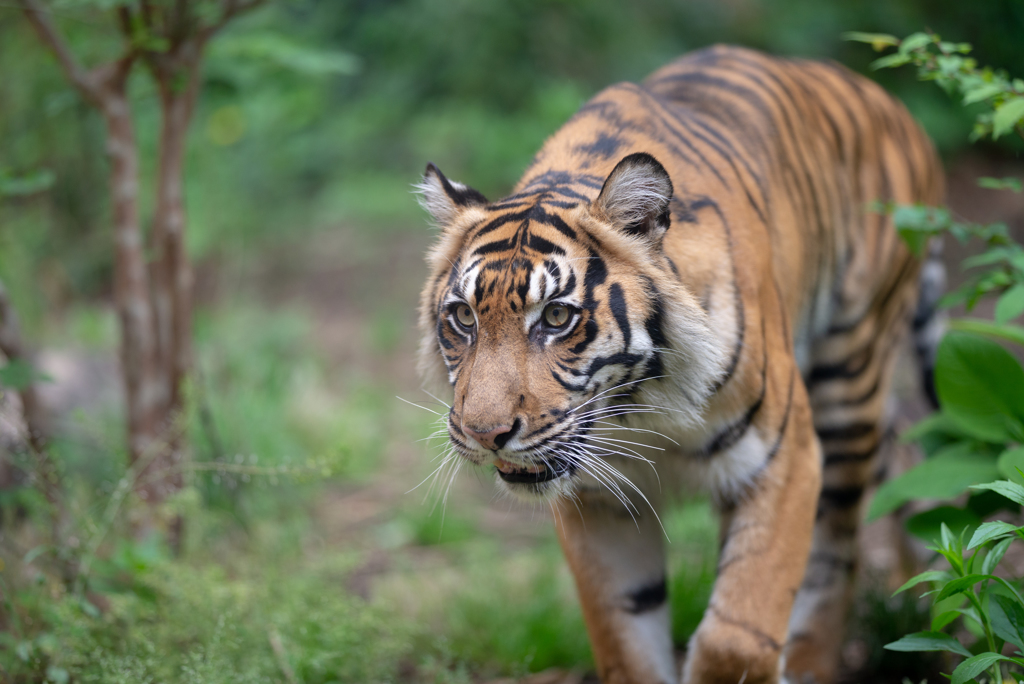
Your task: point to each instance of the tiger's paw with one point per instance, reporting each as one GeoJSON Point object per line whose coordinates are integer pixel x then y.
{"type": "Point", "coordinates": [731, 653]}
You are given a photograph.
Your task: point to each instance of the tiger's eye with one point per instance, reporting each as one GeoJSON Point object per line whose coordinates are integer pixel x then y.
{"type": "Point", "coordinates": [556, 315]}
{"type": "Point", "coordinates": [465, 316]}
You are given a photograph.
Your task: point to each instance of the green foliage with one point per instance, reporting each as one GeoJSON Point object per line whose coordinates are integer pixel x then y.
{"type": "Point", "coordinates": [947, 65]}
{"type": "Point", "coordinates": [528, 622]}
{"type": "Point", "coordinates": [692, 531]}
{"type": "Point", "coordinates": [980, 386]}
{"type": "Point", "coordinates": [319, 115]}
{"type": "Point", "coordinates": [19, 374]}
{"type": "Point", "coordinates": [193, 624]}
{"type": "Point", "coordinates": [969, 594]}
{"type": "Point", "coordinates": [17, 186]}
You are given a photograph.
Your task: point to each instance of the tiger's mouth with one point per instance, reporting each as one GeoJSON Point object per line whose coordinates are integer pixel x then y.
{"type": "Point", "coordinates": [533, 474]}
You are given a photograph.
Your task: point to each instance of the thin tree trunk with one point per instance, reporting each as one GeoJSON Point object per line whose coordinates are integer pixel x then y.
{"type": "Point", "coordinates": [145, 393]}
{"type": "Point", "coordinates": [42, 471]}
{"type": "Point", "coordinates": [32, 412]}
{"type": "Point", "coordinates": [156, 324]}
{"type": "Point", "coordinates": [172, 272]}
{"type": "Point", "coordinates": [106, 88]}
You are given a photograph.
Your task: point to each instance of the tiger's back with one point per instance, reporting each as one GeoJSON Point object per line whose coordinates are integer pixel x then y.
{"type": "Point", "coordinates": [799, 147]}
{"type": "Point", "coordinates": [704, 240]}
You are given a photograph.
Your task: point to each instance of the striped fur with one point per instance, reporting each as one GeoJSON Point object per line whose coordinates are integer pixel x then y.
{"type": "Point", "coordinates": [731, 312]}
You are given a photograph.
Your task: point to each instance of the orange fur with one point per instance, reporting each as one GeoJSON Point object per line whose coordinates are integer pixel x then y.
{"type": "Point", "coordinates": [733, 296]}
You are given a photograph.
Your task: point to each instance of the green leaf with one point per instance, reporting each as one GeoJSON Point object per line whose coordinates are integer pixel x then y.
{"type": "Point", "coordinates": [57, 675]}
{"type": "Point", "coordinates": [980, 386]}
{"type": "Point", "coordinates": [921, 218]}
{"type": "Point", "coordinates": [960, 585]}
{"type": "Point", "coordinates": [283, 52]}
{"type": "Point", "coordinates": [879, 41]}
{"type": "Point", "coordinates": [1007, 618]}
{"type": "Point", "coordinates": [972, 667]}
{"type": "Point", "coordinates": [948, 541]}
{"type": "Point", "coordinates": [18, 186]}
{"type": "Point", "coordinates": [1011, 490]}
{"type": "Point", "coordinates": [915, 223]}
{"type": "Point", "coordinates": [964, 584]}
{"type": "Point", "coordinates": [1008, 332]}
{"type": "Point", "coordinates": [995, 555]}
{"type": "Point", "coordinates": [1008, 463]}
{"type": "Point", "coordinates": [982, 92]}
{"type": "Point", "coordinates": [1007, 116]}
{"type": "Point", "coordinates": [926, 525]}
{"type": "Point", "coordinates": [989, 531]}
{"type": "Point", "coordinates": [949, 64]}
{"type": "Point", "coordinates": [1014, 184]}
{"type": "Point", "coordinates": [929, 641]}
{"type": "Point", "coordinates": [937, 423]}
{"type": "Point", "coordinates": [994, 255]}
{"type": "Point", "coordinates": [943, 476]}
{"type": "Point", "coordinates": [890, 61]}
{"type": "Point", "coordinates": [18, 374]}
{"type": "Point", "coordinates": [913, 42]}
{"type": "Point", "coordinates": [1010, 304]}
{"type": "Point", "coordinates": [927, 576]}
{"type": "Point", "coordinates": [943, 619]}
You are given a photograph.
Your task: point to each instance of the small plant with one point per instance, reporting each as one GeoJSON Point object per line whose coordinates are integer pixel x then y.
{"type": "Point", "coordinates": [950, 67]}
{"type": "Point", "coordinates": [977, 434]}
{"type": "Point", "coordinates": [990, 607]}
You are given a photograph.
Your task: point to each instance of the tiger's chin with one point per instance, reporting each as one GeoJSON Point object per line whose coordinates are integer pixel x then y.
{"type": "Point", "coordinates": [537, 482]}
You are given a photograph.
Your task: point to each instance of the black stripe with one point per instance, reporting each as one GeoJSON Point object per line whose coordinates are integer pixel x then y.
{"type": "Point", "coordinates": [846, 432]}
{"type": "Point", "coordinates": [851, 368]}
{"type": "Point", "coordinates": [731, 434]}
{"type": "Point", "coordinates": [542, 246]}
{"type": "Point", "coordinates": [567, 385]}
{"type": "Point", "coordinates": [496, 246]}
{"type": "Point", "coordinates": [852, 456]}
{"type": "Point", "coordinates": [621, 359]}
{"type": "Point", "coordinates": [590, 329]}
{"type": "Point", "coordinates": [842, 497]}
{"type": "Point", "coordinates": [648, 597]}
{"type": "Point", "coordinates": [785, 419]}
{"type": "Point", "coordinates": [656, 331]}
{"type": "Point", "coordinates": [617, 304]}
{"type": "Point", "coordinates": [739, 308]}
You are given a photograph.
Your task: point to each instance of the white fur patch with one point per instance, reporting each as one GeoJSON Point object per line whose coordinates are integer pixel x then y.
{"type": "Point", "coordinates": [731, 473]}
{"type": "Point", "coordinates": [650, 634]}
{"type": "Point", "coordinates": [432, 197]}
{"type": "Point", "coordinates": [635, 195]}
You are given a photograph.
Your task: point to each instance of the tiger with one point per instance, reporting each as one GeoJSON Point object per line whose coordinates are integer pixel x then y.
{"type": "Point", "coordinates": [690, 288]}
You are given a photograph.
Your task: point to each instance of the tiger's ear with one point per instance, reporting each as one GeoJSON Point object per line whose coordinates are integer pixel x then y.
{"type": "Point", "coordinates": [636, 195]}
{"type": "Point", "coordinates": [445, 199]}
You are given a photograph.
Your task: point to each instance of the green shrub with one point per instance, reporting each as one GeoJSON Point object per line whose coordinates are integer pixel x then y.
{"type": "Point", "coordinates": [976, 434]}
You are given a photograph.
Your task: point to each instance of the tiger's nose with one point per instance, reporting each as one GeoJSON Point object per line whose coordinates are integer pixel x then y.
{"type": "Point", "coordinates": [493, 439]}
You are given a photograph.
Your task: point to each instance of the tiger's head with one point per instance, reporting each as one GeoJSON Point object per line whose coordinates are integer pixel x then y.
{"type": "Point", "coordinates": [554, 312]}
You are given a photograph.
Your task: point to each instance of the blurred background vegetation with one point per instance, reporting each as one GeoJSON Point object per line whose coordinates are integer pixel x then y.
{"type": "Point", "coordinates": [304, 558]}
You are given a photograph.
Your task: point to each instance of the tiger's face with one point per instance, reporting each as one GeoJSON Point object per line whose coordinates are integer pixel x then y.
{"type": "Point", "coordinates": [545, 312]}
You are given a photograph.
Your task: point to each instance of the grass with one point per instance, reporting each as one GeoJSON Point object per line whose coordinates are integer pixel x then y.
{"type": "Point", "coordinates": [303, 558]}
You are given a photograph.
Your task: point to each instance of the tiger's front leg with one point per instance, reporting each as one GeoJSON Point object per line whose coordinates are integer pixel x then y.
{"type": "Point", "coordinates": [766, 541]}
{"type": "Point", "coordinates": [619, 567]}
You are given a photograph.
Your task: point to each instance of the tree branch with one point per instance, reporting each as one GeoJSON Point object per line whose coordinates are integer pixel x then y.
{"type": "Point", "coordinates": [91, 84]}
{"type": "Point", "coordinates": [39, 17]}
{"type": "Point", "coordinates": [232, 8]}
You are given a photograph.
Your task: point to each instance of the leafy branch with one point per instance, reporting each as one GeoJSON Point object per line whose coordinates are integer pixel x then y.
{"type": "Point", "coordinates": [948, 65]}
